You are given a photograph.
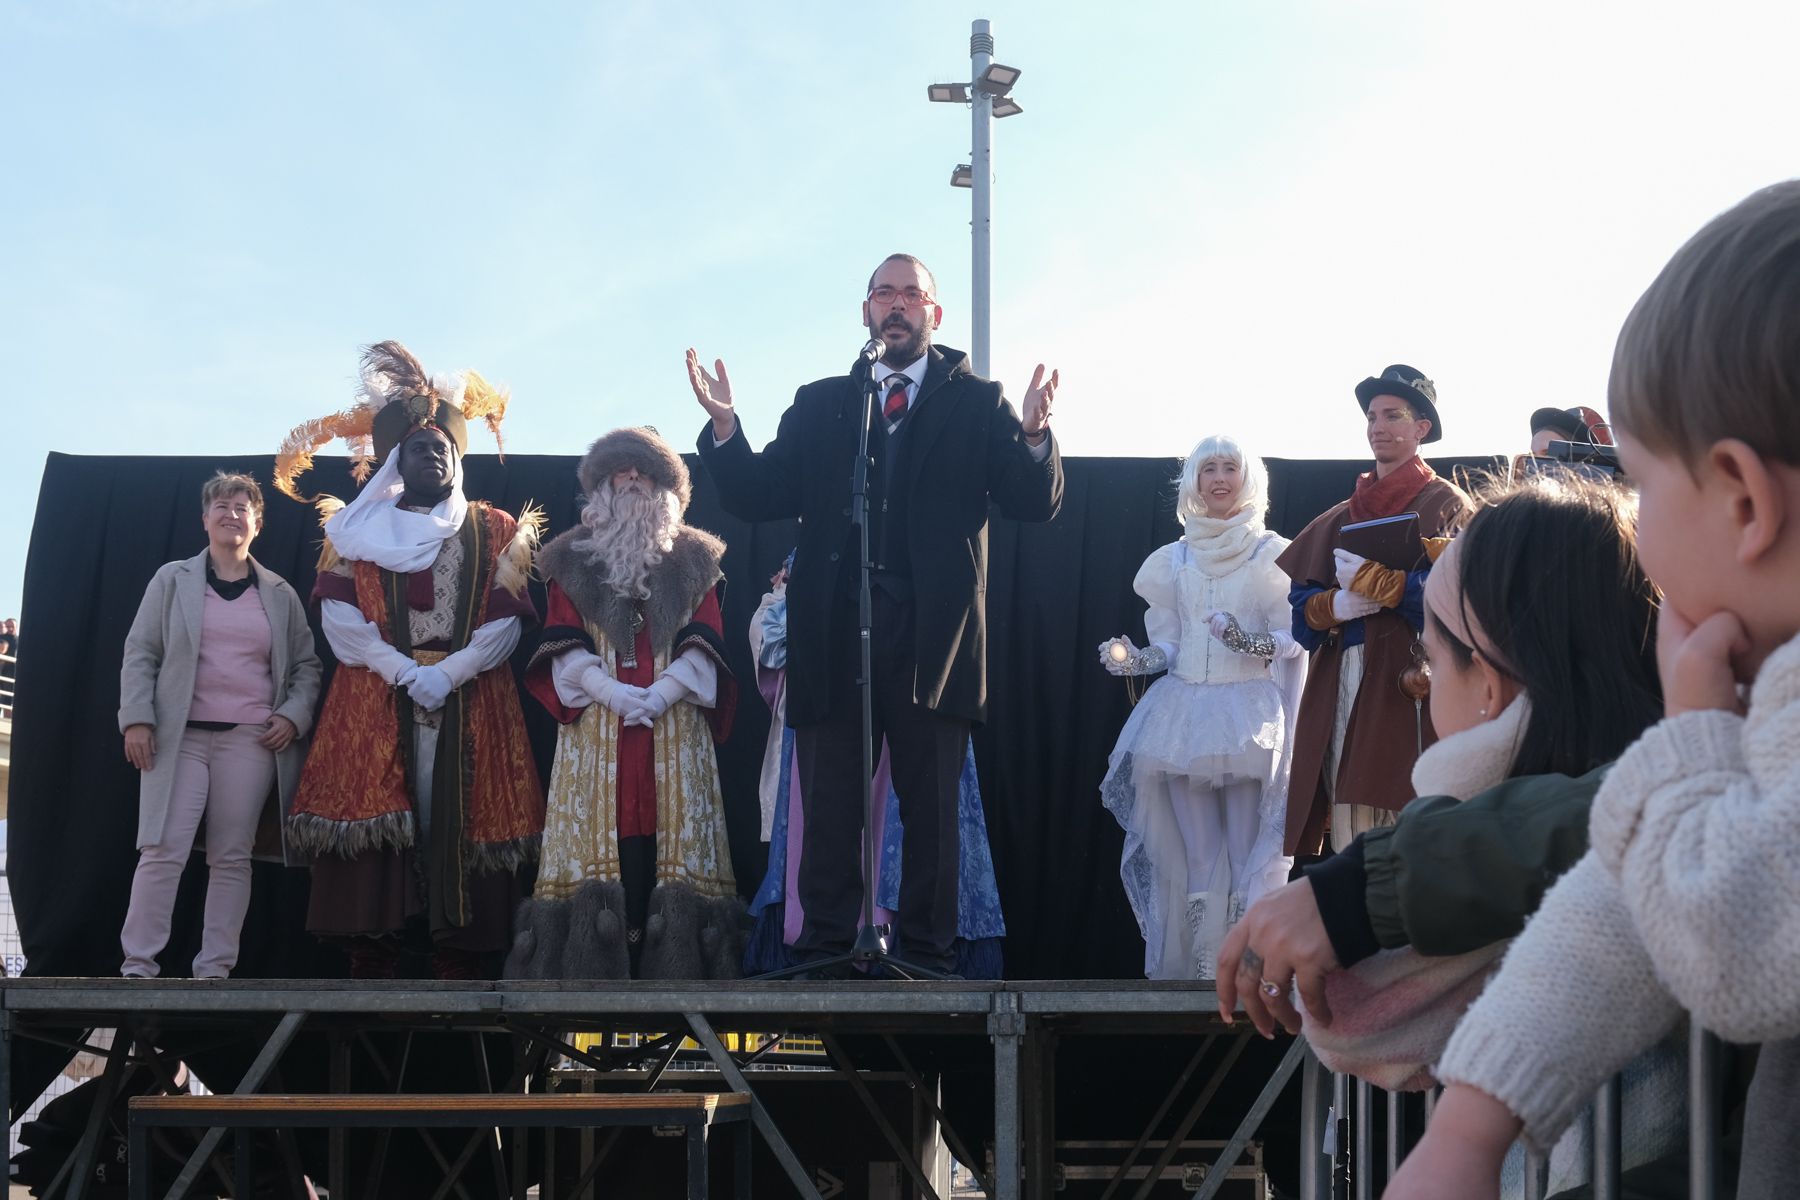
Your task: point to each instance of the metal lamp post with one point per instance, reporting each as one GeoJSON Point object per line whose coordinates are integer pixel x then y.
{"type": "Point", "coordinates": [988, 95]}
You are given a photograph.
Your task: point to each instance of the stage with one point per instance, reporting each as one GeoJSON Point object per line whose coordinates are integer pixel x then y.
{"type": "Point", "coordinates": [1131, 1054]}
{"type": "Point", "coordinates": [300, 1035]}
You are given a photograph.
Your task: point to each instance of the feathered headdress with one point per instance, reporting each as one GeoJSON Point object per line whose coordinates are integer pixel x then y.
{"type": "Point", "coordinates": [395, 396]}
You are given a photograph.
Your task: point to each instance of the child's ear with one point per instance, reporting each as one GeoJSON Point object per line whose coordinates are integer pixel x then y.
{"type": "Point", "coordinates": [1756, 500]}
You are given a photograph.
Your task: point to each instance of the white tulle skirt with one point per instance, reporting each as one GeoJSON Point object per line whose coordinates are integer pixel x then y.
{"type": "Point", "coordinates": [1210, 735]}
{"type": "Point", "coordinates": [1213, 733]}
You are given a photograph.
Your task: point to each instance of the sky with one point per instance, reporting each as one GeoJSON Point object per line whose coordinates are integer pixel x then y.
{"type": "Point", "coordinates": [1210, 217]}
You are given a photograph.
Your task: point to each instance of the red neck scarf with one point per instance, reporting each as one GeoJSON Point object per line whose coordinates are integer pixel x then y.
{"type": "Point", "coordinates": [1389, 497]}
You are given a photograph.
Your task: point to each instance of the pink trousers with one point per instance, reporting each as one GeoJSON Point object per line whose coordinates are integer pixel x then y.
{"type": "Point", "coordinates": [224, 777]}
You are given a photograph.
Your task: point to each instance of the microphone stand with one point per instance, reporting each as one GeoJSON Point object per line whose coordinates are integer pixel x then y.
{"type": "Point", "coordinates": [870, 950]}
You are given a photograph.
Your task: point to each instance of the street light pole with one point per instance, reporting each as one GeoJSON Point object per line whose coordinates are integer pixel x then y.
{"type": "Point", "coordinates": [989, 97]}
{"type": "Point", "coordinates": [981, 162]}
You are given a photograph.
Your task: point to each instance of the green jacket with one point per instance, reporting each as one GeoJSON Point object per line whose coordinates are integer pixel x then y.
{"type": "Point", "coordinates": [1452, 876]}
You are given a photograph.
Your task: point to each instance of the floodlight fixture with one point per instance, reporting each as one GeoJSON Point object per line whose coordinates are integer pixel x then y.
{"type": "Point", "coordinates": [963, 176]}
{"type": "Point", "coordinates": [1006, 106]}
{"type": "Point", "coordinates": [948, 93]}
{"type": "Point", "coordinates": [998, 79]}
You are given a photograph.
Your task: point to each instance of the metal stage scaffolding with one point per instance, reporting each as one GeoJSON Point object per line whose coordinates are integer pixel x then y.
{"type": "Point", "coordinates": [1021, 1021]}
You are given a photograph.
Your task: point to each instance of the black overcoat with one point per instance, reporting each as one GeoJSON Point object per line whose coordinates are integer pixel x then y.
{"type": "Point", "coordinates": [966, 448]}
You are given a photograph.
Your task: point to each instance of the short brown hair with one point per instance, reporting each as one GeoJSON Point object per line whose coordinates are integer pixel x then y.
{"type": "Point", "coordinates": [224, 485]}
{"type": "Point", "coordinates": [1712, 348]}
{"type": "Point", "coordinates": [923, 269]}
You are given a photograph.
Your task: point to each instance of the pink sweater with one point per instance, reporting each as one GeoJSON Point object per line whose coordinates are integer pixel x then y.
{"type": "Point", "coordinates": [231, 675]}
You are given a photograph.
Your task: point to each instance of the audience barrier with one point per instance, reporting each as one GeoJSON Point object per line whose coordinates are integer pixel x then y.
{"type": "Point", "coordinates": [1342, 1133]}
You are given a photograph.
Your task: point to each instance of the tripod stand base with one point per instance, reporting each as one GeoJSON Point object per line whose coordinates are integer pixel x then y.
{"type": "Point", "coordinates": [868, 958]}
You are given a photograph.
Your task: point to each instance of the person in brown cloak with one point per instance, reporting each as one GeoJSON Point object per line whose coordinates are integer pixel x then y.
{"type": "Point", "coordinates": [1358, 733]}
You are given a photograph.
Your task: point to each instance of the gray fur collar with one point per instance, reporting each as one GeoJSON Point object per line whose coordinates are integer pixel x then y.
{"type": "Point", "coordinates": [677, 584]}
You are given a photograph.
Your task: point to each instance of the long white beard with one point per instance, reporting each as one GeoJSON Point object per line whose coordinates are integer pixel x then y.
{"type": "Point", "coordinates": [628, 534]}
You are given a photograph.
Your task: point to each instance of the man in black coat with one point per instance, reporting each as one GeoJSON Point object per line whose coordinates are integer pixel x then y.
{"type": "Point", "coordinates": [944, 444]}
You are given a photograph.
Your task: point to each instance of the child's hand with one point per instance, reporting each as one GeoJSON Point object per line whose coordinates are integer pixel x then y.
{"type": "Point", "coordinates": [1695, 661]}
{"type": "Point", "coordinates": [1459, 1157]}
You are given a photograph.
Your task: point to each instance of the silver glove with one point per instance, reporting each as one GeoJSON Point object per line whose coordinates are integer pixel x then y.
{"type": "Point", "coordinates": [1257, 645]}
{"type": "Point", "coordinates": [1147, 661]}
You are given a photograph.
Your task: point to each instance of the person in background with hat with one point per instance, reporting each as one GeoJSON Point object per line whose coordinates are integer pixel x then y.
{"type": "Point", "coordinates": [635, 877]}
{"type": "Point", "coordinates": [420, 796]}
{"type": "Point", "coordinates": [1358, 734]}
{"type": "Point", "coordinates": [1580, 425]}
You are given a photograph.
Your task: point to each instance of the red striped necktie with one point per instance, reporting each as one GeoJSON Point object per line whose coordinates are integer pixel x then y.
{"type": "Point", "coordinates": [894, 407]}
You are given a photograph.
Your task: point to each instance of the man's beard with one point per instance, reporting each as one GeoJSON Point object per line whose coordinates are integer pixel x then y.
{"type": "Point", "coordinates": [628, 534]}
{"type": "Point", "coordinates": [907, 352]}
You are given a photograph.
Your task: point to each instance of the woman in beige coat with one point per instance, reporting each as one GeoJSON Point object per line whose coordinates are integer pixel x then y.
{"type": "Point", "coordinates": [216, 696]}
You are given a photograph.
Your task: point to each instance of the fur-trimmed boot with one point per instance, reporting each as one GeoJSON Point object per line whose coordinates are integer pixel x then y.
{"type": "Point", "coordinates": [596, 947]}
{"type": "Point", "coordinates": [1196, 923]}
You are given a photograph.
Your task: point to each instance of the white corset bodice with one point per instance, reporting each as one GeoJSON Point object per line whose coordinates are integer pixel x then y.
{"type": "Point", "coordinates": [1183, 598]}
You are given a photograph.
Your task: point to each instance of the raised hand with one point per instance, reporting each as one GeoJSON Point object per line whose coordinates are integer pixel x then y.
{"type": "Point", "coordinates": [1035, 414]}
{"type": "Point", "coordinates": [713, 393]}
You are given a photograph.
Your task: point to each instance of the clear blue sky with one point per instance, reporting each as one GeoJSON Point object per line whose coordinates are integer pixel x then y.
{"type": "Point", "coordinates": [1210, 217]}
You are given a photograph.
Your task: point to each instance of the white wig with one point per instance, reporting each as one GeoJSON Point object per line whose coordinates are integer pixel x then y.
{"type": "Point", "coordinates": [1189, 502]}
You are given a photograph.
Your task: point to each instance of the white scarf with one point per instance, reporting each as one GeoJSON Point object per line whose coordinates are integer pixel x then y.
{"type": "Point", "coordinates": [1219, 547]}
{"type": "Point", "coordinates": [1476, 759]}
{"type": "Point", "coordinates": [374, 528]}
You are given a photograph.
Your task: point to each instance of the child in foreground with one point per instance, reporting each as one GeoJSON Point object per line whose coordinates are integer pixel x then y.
{"type": "Point", "coordinates": [1689, 898]}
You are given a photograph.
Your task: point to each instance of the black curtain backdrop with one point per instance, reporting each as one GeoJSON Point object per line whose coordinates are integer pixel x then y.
{"type": "Point", "coordinates": [1055, 591]}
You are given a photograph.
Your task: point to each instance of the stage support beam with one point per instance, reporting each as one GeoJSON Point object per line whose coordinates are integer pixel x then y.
{"type": "Point", "coordinates": [1215, 1178]}
{"type": "Point", "coordinates": [765, 1124]}
{"type": "Point", "coordinates": [253, 1079]}
{"type": "Point", "coordinates": [1006, 1028]}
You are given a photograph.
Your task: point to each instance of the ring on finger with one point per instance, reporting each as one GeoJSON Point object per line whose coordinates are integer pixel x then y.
{"type": "Point", "coordinates": [1271, 989]}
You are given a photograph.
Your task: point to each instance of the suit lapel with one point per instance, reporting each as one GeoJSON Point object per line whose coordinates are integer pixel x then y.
{"type": "Point", "coordinates": [930, 415]}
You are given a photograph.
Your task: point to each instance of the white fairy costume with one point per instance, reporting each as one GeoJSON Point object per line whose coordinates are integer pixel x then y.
{"type": "Point", "coordinates": [1198, 778]}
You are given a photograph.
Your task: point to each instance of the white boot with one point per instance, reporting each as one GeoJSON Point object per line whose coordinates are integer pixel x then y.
{"type": "Point", "coordinates": [1234, 910]}
{"type": "Point", "coordinates": [1196, 920]}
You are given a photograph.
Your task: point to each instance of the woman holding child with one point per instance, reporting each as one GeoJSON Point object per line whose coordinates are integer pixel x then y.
{"type": "Point", "coordinates": [1689, 897]}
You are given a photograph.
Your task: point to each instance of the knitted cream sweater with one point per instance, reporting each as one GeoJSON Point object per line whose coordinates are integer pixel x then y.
{"type": "Point", "coordinates": [1688, 899]}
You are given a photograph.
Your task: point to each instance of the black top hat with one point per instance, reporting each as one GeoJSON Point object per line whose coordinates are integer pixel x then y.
{"type": "Point", "coordinates": [1411, 386]}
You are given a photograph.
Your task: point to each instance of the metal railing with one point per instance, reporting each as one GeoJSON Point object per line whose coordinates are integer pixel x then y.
{"type": "Point", "coordinates": [9, 667]}
{"type": "Point", "coordinates": [1337, 1136]}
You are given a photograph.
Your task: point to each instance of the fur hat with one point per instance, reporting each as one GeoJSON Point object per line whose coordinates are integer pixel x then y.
{"type": "Point", "coordinates": [641, 447]}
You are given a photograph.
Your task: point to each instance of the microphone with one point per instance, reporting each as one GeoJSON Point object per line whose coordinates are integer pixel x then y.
{"type": "Point", "coordinates": [870, 355]}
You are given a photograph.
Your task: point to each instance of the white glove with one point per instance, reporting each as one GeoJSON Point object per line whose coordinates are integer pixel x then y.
{"type": "Point", "coordinates": [1347, 605]}
{"type": "Point", "coordinates": [429, 687]}
{"type": "Point", "coordinates": [1218, 623]}
{"type": "Point", "coordinates": [656, 701]}
{"type": "Point", "coordinates": [394, 667]}
{"type": "Point", "coordinates": [1348, 565]}
{"type": "Point", "coordinates": [619, 697]}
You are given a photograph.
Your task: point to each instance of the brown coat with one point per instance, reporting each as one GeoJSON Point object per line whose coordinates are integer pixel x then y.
{"type": "Point", "coordinates": [1386, 731]}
